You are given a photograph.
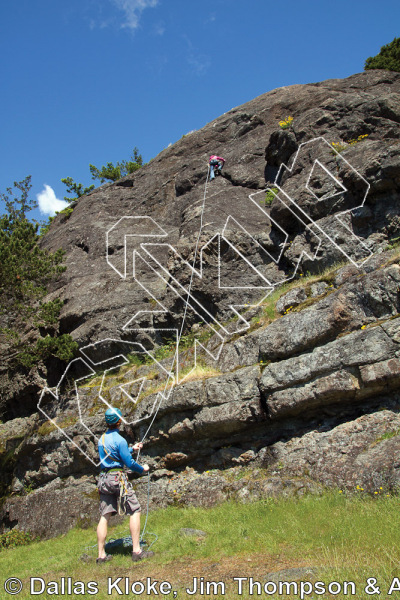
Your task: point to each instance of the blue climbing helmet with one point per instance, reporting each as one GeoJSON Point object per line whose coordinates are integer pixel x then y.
{"type": "Point", "coordinates": [112, 416]}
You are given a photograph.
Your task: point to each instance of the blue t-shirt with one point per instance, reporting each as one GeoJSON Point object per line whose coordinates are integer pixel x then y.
{"type": "Point", "coordinates": [114, 452]}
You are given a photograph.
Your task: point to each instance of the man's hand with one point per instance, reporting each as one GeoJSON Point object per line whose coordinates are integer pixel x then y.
{"type": "Point", "coordinates": [137, 446]}
{"type": "Point", "coordinates": [146, 468]}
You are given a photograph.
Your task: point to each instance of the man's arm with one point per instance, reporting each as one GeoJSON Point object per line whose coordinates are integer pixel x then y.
{"type": "Point", "coordinates": [127, 458]}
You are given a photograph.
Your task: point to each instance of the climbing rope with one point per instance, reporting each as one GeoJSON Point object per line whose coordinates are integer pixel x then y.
{"type": "Point", "coordinates": [148, 502]}
{"type": "Point", "coordinates": [127, 540]}
{"type": "Point", "coordinates": [175, 358]}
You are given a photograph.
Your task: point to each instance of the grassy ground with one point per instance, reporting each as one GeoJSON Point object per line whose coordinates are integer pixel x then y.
{"type": "Point", "coordinates": [344, 538]}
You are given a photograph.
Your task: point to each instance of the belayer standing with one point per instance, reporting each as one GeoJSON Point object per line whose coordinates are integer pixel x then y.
{"type": "Point", "coordinates": [114, 487]}
{"type": "Point", "coordinates": [216, 163]}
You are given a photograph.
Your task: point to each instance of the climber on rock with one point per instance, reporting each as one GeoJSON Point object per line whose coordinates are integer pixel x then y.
{"type": "Point", "coordinates": [116, 492]}
{"type": "Point", "coordinates": [216, 163]}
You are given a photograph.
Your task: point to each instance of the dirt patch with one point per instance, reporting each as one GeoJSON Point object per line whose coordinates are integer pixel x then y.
{"type": "Point", "coordinates": [181, 574]}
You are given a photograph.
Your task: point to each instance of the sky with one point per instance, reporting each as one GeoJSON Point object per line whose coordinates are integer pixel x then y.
{"type": "Point", "coordinates": [85, 81]}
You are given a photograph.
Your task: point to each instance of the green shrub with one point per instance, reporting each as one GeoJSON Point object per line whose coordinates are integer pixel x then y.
{"type": "Point", "coordinates": [63, 347]}
{"type": "Point", "coordinates": [270, 195]}
{"type": "Point", "coordinates": [14, 538]}
{"type": "Point", "coordinates": [49, 312]}
{"type": "Point", "coordinates": [388, 57]}
{"type": "Point", "coordinates": [68, 210]}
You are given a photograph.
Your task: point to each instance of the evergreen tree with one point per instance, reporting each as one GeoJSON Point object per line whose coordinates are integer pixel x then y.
{"type": "Point", "coordinates": [388, 57]}
{"type": "Point", "coordinates": [111, 172]}
{"type": "Point", "coordinates": [17, 207]}
{"type": "Point", "coordinates": [25, 271]}
{"type": "Point", "coordinates": [75, 188]}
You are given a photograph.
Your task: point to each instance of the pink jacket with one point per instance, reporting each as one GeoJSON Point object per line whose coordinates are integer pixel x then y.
{"type": "Point", "coordinates": [214, 157]}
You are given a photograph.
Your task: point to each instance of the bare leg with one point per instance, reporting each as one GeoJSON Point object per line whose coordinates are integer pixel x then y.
{"type": "Point", "coordinates": [134, 526]}
{"type": "Point", "coordinates": [102, 534]}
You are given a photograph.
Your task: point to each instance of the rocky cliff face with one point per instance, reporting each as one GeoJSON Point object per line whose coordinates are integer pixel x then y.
{"type": "Point", "coordinates": [298, 382]}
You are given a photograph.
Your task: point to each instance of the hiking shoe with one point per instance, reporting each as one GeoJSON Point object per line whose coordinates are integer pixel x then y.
{"type": "Point", "coordinates": [141, 555]}
{"type": "Point", "coordinates": [107, 557]}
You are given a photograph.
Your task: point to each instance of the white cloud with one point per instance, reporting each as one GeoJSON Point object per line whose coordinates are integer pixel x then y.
{"type": "Point", "coordinates": [199, 63]}
{"type": "Point", "coordinates": [159, 29]}
{"type": "Point", "coordinates": [133, 9]}
{"type": "Point", "coordinates": [48, 202]}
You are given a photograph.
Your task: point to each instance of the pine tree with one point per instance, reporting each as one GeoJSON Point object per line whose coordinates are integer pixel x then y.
{"type": "Point", "coordinates": [75, 188]}
{"type": "Point", "coordinates": [25, 271]}
{"type": "Point", "coordinates": [111, 172]}
{"type": "Point", "coordinates": [388, 57]}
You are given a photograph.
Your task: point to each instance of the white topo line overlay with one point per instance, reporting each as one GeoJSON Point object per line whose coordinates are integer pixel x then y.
{"type": "Point", "coordinates": [144, 227]}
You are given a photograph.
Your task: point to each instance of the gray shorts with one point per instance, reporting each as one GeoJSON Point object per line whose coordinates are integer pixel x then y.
{"type": "Point", "coordinates": [108, 487]}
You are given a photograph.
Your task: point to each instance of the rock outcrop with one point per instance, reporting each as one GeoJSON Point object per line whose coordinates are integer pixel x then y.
{"type": "Point", "coordinates": [307, 395]}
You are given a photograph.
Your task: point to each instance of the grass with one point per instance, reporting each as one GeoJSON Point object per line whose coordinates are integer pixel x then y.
{"type": "Point", "coordinates": [135, 361]}
{"type": "Point", "coordinates": [386, 436]}
{"type": "Point", "coordinates": [350, 537]}
{"type": "Point", "coordinates": [187, 374]}
{"type": "Point", "coordinates": [304, 281]}
{"type": "Point", "coordinates": [47, 427]}
{"type": "Point", "coordinates": [394, 243]}
{"type": "Point", "coordinates": [198, 372]}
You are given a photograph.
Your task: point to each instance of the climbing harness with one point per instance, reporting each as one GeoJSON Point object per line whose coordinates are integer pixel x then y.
{"type": "Point", "coordinates": [124, 485]}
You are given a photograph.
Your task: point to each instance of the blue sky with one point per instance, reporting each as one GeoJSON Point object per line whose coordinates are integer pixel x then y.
{"type": "Point", "coordinates": [84, 81]}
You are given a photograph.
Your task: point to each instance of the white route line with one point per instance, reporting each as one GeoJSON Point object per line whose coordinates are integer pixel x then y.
{"type": "Point", "coordinates": [56, 394]}
{"type": "Point", "coordinates": [184, 293]}
{"type": "Point", "coordinates": [337, 217]}
{"type": "Point", "coordinates": [162, 233]}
